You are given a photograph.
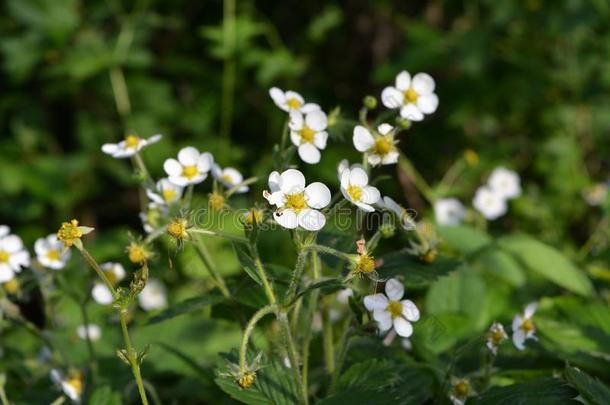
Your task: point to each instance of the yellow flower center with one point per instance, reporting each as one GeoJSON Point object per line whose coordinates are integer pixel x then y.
{"type": "Point", "coordinates": [137, 253]}
{"type": "Point", "coordinates": [177, 228]}
{"type": "Point", "coordinates": [365, 264]}
{"type": "Point", "coordinates": [132, 141]}
{"type": "Point", "coordinates": [69, 232]}
{"type": "Point", "coordinates": [383, 145]}
{"type": "Point", "coordinates": [190, 171]}
{"type": "Point", "coordinates": [411, 95]}
{"type": "Point", "coordinates": [247, 379]}
{"type": "Point", "coordinates": [11, 286]}
{"type": "Point", "coordinates": [497, 336]}
{"type": "Point", "coordinates": [53, 255]}
{"type": "Point", "coordinates": [75, 381]}
{"type": "Point", "coordinates": [355, 192]}
{"type": "Point", "coordinates": [429, 256]}
{"type": "Point", "coordinates": [226, 178]}
{"type": "Point", "coordinates": [394, 308]}
{"type": "Point", "coordinates": [254, 215]}
{"type": "Point", "coordinates": [296, 202]}
{"type": "Point", "coordinates": [527, 325]}
{"type": "Point", "coordinates": [169, 194]}
{"type": "Point", "coordinates": [4, 256]}
{"type": "Point", "coordinates": [293, 103]}
{"type": "Point", "coordinates": [216, 201]}
{"type": "Point", "coordinates": [461, 389]}
{"type": "Point", "coordinates": [307, 134]}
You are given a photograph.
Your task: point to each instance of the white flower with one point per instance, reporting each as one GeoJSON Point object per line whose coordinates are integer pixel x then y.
{"type": "Point", "coordinates": [297, 205]}
{"type": "Point", "coordinates": [191, 167]}
{"type": "Point", "coordinates": [389, 310]}
{"type": "Point", "coordinates": [71, 385]}
{"type": "Point", "coordinates": [344, 164]}
{"type": "Point", "coordinates": [415, 97]}
{"type": "Point", "coordinates": [505, 183]}
{"type": "Point", "coordinates": [523, 326]}
{"type": "Point", "coordinates": [115, 273]}
{"type": "Point", "coordinates": [344, 295]}
{"type": "Point", "coordinates": [406, 217]}
{"type": "Point", "coordinates": [153, 296]}
{"type": "Point", "coordinates": [92, 330]}
{"type": "Point", "coordinates": [50, 252]}
{"type": "Point", "coordinates": [291, 101]}
{"type": "Point", "coordinates": [355, 189]}
{"type": "Point", "coordinates": [495, 337]}
{"type": "Point", "coordinates": [308, 134]}
{"type": "Point", "coordinates": [229, 177]}
{"type": "Point", "coordinates": [488, 203]}
{"type": "Point", "coordinates": [13, 256]}
{"type": "Point", "coordinates": [449, 211]}
{"type": "Point", "coordinates": [165, 193]}
{"type": "Point", "coordinates": [380, 147]}
{"type": "Point", "coordinates": [460, 391]}
{"type": "Point", "coordinates": [128, 147]}
{"type": "Point", "coordinates": [596, 194]}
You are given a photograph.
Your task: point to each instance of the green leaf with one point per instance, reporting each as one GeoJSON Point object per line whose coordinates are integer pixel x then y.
{"type": "Point", "coordinates": [414, 272]}
{"type": "Point", "coordinates": [326, 286]}
{"type": "Point", "coordinates": [464, 238]}
{"type": "Point", "coordinates": [105, 396]}
{"type": "Point", "coordinates": [550, 391]}
{"type": "Point", "coordinates": [186, 306]}
{"type": "Point", "coordinates": [374, 374]}
{"type": "Point", "coordinates": [501, 264]}
{"type": "Point", "coordinates": [547, 262]}
{"type": "Point", "coordinates": [247, 262]}
{"type": "Point", "coordinates": [593, 390]}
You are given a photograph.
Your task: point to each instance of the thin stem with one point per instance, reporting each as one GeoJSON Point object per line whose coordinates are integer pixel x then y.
{"type": "Point", "coordinates": [330, 251]}
{"type": "Point", "coordinates": [263, 275]}
{"type": "Point", "coordinates": [311, 309]}
{"type": "Point", "coordinates": [344, 345]}
{"type": "Point", "coordinates": [296, 276]}
{"type": "Point", "coordinates": [121, 94]}
{"type": "Point", "coordinates": [3, 397]}
{"type": "Point", "coordinates": [292, 355]}
{"type": "Point", "coordinates": [219, 234]}
{"type": "Point", "coordinates": [139, 162]}
{"type": "Point", "coordinates": [243, 347]}
{"type": "Point", "coordinates": [236, 187]}
{"type": "Point", "coordinates": [328, 342]}
{"type": "Point", "coordinates": [132, 356]}
{"type": "Point", "coordinates": [206, 258]}
{"type": "Point", "coordinates": [405, 165]}
{"type": "Point", "coordinates": [91, 261]}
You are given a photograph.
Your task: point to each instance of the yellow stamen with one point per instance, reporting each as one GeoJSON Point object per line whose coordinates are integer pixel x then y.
{"type": "Point", "coordinates": [394, 308]}
{"type": "Point", "coordinates": [411, 95]}
{"type": "Point", "coordinates": [4, 256]}
{"type": "Point", "coordinates": [365, 264]}
{"type": "Point", "coordinates": [177, 228]}
{"type": "Point", "coordinates": [355, 192]}
{"type": "Point", "coordinates": [226, 178]}
{"type": "Point", "coordinates": [527, 325]}
{"type": "Point", "coordinates": [461, 389]}
{"type": "Point", "coordinates": [216, 201]}
{"type": "Point", "coordinates": [11, 286]}
{"type": "Point", "coordinates": [247, 379]}
{"type": "Point", "coordinates": [132, 141]}
{"type": "Point", "coordinates": [69, 232]}
{"type": "Point", "coordinates": [296, 202]}
{"type": "Point", "coordinates": [76, 382]}
{"type": "Point", "coordinates": [137, 253]}
{"type": "Point", "coordinates": [497, 336]}
{"type": "Point", "coordinates": [53, 255]}
{"type": "Point", "coordinates": [169, 195]}
{"type": "Point", "coordinates": [293, 103]}
{"type": "Point", "coordinates": [307, 135]}
{"type": "Point", "coordinates": [383, 145]}
{"type": "Point", "coordinates": [190, 171]}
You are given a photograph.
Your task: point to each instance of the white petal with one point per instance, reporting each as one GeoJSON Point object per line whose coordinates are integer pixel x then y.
{"type": "Point", "coordinates": [363, 206]}
{"type": "Point", "coordinates": [316, 120]}
{"type": "Point", "coordinates": [278, 97]}
{"type": "Point", "coordinates": [403, 327]}
{"type": "Point", "coordinates": [319, 139]}
{"type": "Point", "coordinates": [205, 161]}
{"type": "Point", "coordinates": [188, 156]}
{"type": "Point", "coordinates": [427, 103]}
{"type": "Point", "coordinates": [391, 97]}
{"type": "Point", "coordinates": [6, 273]}
{"type": "Point", "coordinates": [394, 289]}
{"type": "Point", "coordinates": [317, 195]}
{"type": "Point", "coordinates": [309, 107]}
{"type": "Point", "coordinates": [172, 167]}
{"type": "Point", "coordinates": [517, 321]}
{"type": "Point", "coordinates": [410, 310]}
{"type": "Point", "coordinates": [383, 318]}
{"type": "Point", "coordinates": [292, 181]}
{"type": "Point", "coordinates": [384, 129]}
{"type": "Point", "coordinates": [312, 220]}
{"type": "Point", "coordinates": [179, 180]}
{"type": "Point", "coordinates": [530, 309]}
{"type": "Point", "coordinates": [345, 178]}
{"type": "Point", "coordinates": [403, 81]}
{"type": "Point", "coordinates": [363, 139]}
{"type": "Point", "coordinates": [276, 198]}
{"type": "Point", "coordinates": [295, 138]}
{"type": "Point", "coordinates": [101, 294]}
{"type": "Point", "coordinates": [309, 153]}
{"type": "Point", "coordinates": [344, 164]}
{"type": "Point", "coordinates": [234, 175]}
{"type": "Point", "coordinates": [375, 301]}
{"type": "Point", "coordinates": [274, 181]}
{"type": "Point", "coordinates": [296, 120]}
{"type": "Point", "coordinates": [519, 339]}
{"type": "Point", "coordinates": [154, 139]}
{"type": "Point", "coordinates": [411, 112]}
{"type": "Point", "coordinates": [374, 159]}
{"type": "Point", "coordinates": [423, 83]}
{"type": "Point", "coordinates": [11, 243]}
{"type": "Point", "coordinates": [358, 177]}
{"type": "Point", "coordinates": [4, 230]}
{"type": "Point", "coordinates": [41, 246]}
{"type": "Point", "coordinates": [110, 148]}
{"type": "Point", "coordinates": [286, 218]}
{"type": "Point", "coordinates": [370, 195]}
{"type": "Point", "coordinates": [19, 259]}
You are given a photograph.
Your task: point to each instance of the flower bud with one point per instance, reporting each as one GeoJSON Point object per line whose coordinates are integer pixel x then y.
{"type": "Point", "coordinates": [369, 102]}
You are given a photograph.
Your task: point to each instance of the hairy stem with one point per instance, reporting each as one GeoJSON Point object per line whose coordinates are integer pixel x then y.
{"type": "Point", "coordinates": [296, 276]}
{"type": "Point", "coordinates": [206, 258]}
{"type": "Point", "coordinates": [263, 275]}
{"type": "Point", "coordinates": [132, 356]}
{"type": "Point", "coordinates": [243, 347]}
{"type": "Point", "coordinates": [93, 264]}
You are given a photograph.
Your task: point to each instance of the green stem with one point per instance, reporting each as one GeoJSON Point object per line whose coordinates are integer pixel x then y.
{"type": "Point", "coordinates": [263, 275]}
{"type": "Point", "coordinates": [121, 94]}
{"type": "Point", "coordinates": [91, 261]}
{"type": "Point", "coordinates": [292, 355]}
{"type": "Point", "coordinates": [206, 258]}
{"type": "Point", "coordinates": [224, 235]}
{"type": "Point", "coordinates": [3, 397]}
{"type": "Point", "coordinates": [330, 251]}
{"type": "Point", "coordinates": [296, 276]}
{"type": "Point", "coordinates": [328, 342]}
{"type": "Point", "coordinates": [311, 309]}
{"type": "Point", "coordinates": [405, 165]}
{"type": "Point", "coordinates": [228, 76]}
{"type": "Point", "coordinates": [132, 356]}
{"type": "Point", "coordinates": [243, 347]}
{"type": "Point", "coordinates": [139, 162]}
{"type": "Point", "coordinates": [236, 187]}
{"type": "Point", "coordinates": [344, 345]}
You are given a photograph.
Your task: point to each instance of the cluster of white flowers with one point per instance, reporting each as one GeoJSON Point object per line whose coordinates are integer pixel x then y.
{"type": "Point", "coordinates": [491, 199]}
{"type": "Point", "coordinates": [523, 328]}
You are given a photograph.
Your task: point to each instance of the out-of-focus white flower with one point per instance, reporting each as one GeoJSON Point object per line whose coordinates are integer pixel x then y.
{"type": "Point", "coordinates": [355, 188]}
{"type": "Point", "coordinates": [50, 252]}
{"type": "Point", "coordinates": [489, 203]}
{"type": "Point", "coordinates": [13, 255]}
{"type": "Point", "coordinates": [191, 167]}
{"type": "Point", "coordinates": [449, 211]}
{"type": "Point", "coordinates": [229, 177]}
{"type": "Point", "coordinates": [153, 296]}
{"type": "Point", "coordinates": [115, 273]}
{"type": "Point", "coordinates": [92, 330]}
{"type": "Point", "coordinates": [71, 384]}
{"type": "Point", "coordinates": [128, 147]}
{"type": "Point", "coordinates": [596, 194]}
{"type": "Point", "coordinates": [495, 337]}
{"type": "Point", "coordinates": [523, 326]}
{"type": "Point", "coordinates": [308, 134]}
{"type": "Point", "coordinates": [460, 391]}
{"type": "Point", "coordinates": [344, 295]}
{"type": "Point", "coordinates": [296, 204]}
{"type": "Point", "coordinates": [415, 97]}
{"type": "Point", "coordinates": [505, 183]}
{"type": "Point", "coordinates": [165, 193]}
{"type": "Point", "coordinates": [380, 147]}
{"type": "Point", "coordinates": [291, 101]}
{"type": "Point", "coordinates": [389, 310]}
{"type": "Point", "coordinates": [344, 164]}
{"type": "Point", "coordinates": [405, 216]}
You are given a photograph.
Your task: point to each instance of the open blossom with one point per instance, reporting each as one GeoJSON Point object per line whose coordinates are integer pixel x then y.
{"type": "Point", "coordinates": [379, 146]}
{"type": "Point", "coordinates": [128, 147]}
{"type": "Point", "coordinates": [460, 390]}
{"type": "Point", "coordinates": [192, 167]}
{"type": "Point", "coordinates": [355, 188]}
{"type": "Point", "coordinates": [91, 331]}
{"type": "Point", "coordinates": [71, 384]}
{"type": "Point", "coordinates": [71, 232]}
{"type": "Point", "coordinates": [165, 193]}
{"type": "Point", "coordinates": [114, 272]}
{"type": "Point", "coordinates": [523, 326]}
{"type": "Point", "coordinates": [596, 194]}
{"type": "Point", "coordinates": [13, 255]}
{"type": "Point", "coordinates": [308, 134]}
{"type": "Point", "coordinates": [229, 177]}
{"type": "Point", "coordinates": [153, 296]}
{"type": "Point", "coordinates": [414, 96]}
{"type": "Point", "coordinates": [50, 252]}
{"type": "Point", "coordinates": [291, 101]}
{"type": "Point", "coordinates": [495, 337]}
{"type": "Point", "coordinates": [390, 310]}
{"type": "Point", "coordinates": [296, 204]}
{"type": "Point", "coordinates": [449, 211]}
{"type": "Point", "coordinates": [505, 183]}
{"type": "Point", "coordinates": [405, 216]}
{"type": "Point", "coordinates": [489, 203]}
